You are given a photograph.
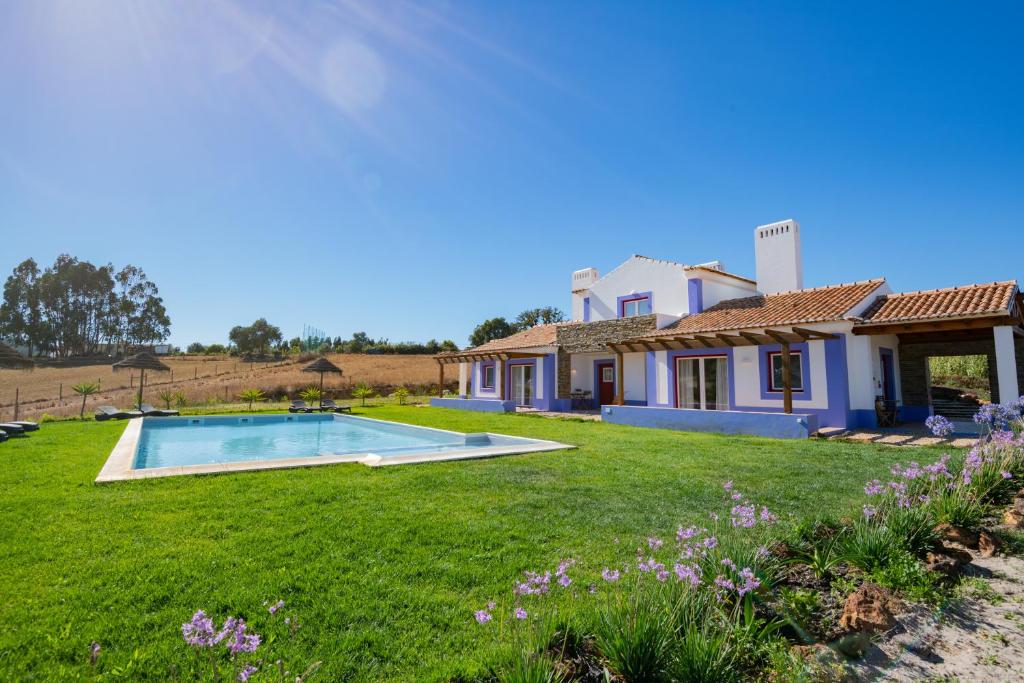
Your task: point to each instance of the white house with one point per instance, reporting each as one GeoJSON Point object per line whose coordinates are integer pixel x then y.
{"type": "Point", "coordinates": [660, 343]}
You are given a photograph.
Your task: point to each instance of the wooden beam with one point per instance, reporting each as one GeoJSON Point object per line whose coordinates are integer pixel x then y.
{"type": "Point", "coordinates": [620, 384]}
{"type": "Point", "coordinates": [440, 381]}
{"type": "Point", "coordinates": [708, 342]}
{"type": "Point", "coordinates": [782, 337]}
{"type": "Point", "coordinates": [733, 340]}
{"type": "Point", "coordinates": [686, 342]}
{"type": "Point", "coordinates": [936, 325]}
{"type": "Point", "coordinates": [813, 334]}
{"type": "Point", "coordinates": [787, 379]}
{"type": "Point", "coordinates": [756, 339]}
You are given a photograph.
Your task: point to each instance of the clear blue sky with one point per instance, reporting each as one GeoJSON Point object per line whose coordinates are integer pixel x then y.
{"type": "Point", "coordinates": [409, 169]}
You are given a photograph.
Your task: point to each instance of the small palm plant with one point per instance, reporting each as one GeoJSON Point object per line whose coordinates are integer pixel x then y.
{"type": "Point", "coordinates": [401, 393]}
{"type": "Point", "coordinates": [166, 396]}
{"type": "Point", "coordinates": [362, 391]}
{"type": "Point", "coordinates": [310, 395]}
{"type": "Point", "coordinates": [252, 396]}
{"type": "Point", "coordinates": [180, 399]}
{"type": "Point", "coordinates": [85, 390]}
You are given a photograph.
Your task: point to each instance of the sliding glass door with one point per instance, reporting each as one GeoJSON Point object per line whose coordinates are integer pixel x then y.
{"type": "Point", "coordinates": [702, 383]}
{"type": "Point", "coordinates": [521, 385]}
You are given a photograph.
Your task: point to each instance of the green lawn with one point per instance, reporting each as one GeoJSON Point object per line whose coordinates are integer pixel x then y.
{"type": "Point", "coordinates": [383, 567]}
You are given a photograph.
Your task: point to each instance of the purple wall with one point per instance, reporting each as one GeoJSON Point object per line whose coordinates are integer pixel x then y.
{"type": "Point", "coordinates": [695, 295]}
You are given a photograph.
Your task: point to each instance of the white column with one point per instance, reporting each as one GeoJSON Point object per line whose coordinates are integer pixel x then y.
{"type": "Point", "coordinates": [463, 377]}
{"type": "Point", "coordinates": [1006, 364]}
{"type": "Point", "coordinates": [860, 366]}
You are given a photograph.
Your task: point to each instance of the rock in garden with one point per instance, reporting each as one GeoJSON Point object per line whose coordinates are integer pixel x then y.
{"type": "Point", "coordinates": [957, 534]}
{"type": "Point", "coordinates": [987, 544]}
{"type": "Point", "coordinates": [870, 609]}
{"type": "Point", "coordinates": [1013, 518]}
{"type": "Point", "coordinates": [941, 563]}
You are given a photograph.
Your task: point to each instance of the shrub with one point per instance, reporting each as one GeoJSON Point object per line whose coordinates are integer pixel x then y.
{"type": "Point", "coordinates": [906, 574]}
{"type": "Point", "coordinates": [166, 396]}
{"type": "Point", "coordinates": [870, 546]}
{"type": "Point", "coordinates": [636, 633]}
{"type": "Point", "coordinates": [401, 393]}
{"type": "Point", "coordinates": [915, 526]}
{"type": "Point", "coordinates": [310, 394]}
{"type": "Point", "coordinates": [704, 655]}
{"type": "Point", "coordinates": [960, 507]}
{"type": "Point", "coordinates": [85, 390]}
{"type": "Point", "coordinates": [362, 391]}
{"type": "Point", "coordinates": [252, 395]}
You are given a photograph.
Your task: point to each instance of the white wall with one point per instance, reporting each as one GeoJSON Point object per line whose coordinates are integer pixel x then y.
{"type": "Point", "coordinates": [666, 281]}
{"type": "Point", "coordinates": [634, 371]}
{"type": "Point", "coordinates": [719, 288]}
{"type": "Point", "coordinates": [747, 366]}
{"type": "Point", "coordinates": [777, 255]}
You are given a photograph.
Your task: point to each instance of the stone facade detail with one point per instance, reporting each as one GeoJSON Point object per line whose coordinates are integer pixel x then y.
{"type": "Point", "coordinates": [595, 336]}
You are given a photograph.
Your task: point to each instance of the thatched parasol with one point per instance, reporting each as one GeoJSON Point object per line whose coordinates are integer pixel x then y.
{"type": "Point", "coordinates": [142, 362]}
{"type": "Point", "coordinates": [322, 365]}
{"type": "Point", "coordinates": [9, 358]}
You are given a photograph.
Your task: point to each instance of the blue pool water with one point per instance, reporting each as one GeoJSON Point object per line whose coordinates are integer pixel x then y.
{"type": "Point", "coordinates": [172, 442]}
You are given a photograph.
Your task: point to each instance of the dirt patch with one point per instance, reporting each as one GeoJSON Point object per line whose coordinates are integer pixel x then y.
{"type": "Point", "coordinates": [979, 637]}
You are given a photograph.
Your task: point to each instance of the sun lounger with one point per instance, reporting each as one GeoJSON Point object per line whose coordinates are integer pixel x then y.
{"type": "Point", "coordinates": [112, 413]}
{"type": "Point", "coordinates": [3, 437]}
{"type": "Point", "coordinates": [298, 406]}
{"type": "Point", "coordinates": [149, 411]}
{"type": "Point", "coordinates": [26, 425]}
{"type": "Point", "coordinates": [330, 405]}
{"type": "Point", "coordinates": [11, 429]}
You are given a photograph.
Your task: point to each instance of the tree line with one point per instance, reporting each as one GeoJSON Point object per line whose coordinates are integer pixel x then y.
{"type": "Point", "coordinates": [73, 307]}
{"type": "Point", "coordinates": [263, 338]}
{"type": "Point", "coordinates": [499, 328]}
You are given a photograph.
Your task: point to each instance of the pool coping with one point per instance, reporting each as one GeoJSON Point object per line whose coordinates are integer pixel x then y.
{"type": "Point", "coordinates": [120, 465]}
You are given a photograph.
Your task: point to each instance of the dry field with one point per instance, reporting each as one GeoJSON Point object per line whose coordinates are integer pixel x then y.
{"type": "Point", "coordinates": [200, 379]}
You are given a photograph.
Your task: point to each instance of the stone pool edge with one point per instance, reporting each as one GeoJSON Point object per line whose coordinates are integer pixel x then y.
{"type": "Point", "coordinates": [120, 464]}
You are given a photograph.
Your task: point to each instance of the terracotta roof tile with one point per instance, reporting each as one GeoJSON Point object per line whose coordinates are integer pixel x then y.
{"type": "Point", "coordinates": [952, 302]}
{"type": "Point", "coordinates": [798, 307]}
{"type": "Point", "coordinates": [539, 335]}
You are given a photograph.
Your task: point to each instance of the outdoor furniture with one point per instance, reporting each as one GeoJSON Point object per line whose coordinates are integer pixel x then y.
{"type": "Point", "coordinates": [149, 411]}
{"type": "Point", "coordinates": [26, 425]}
{"type": "Point", "coordinates": [112, 413]}
{"type": "Point", "coordinates": [3, 437]}
{"type": "Point", "coordinates": [322, 365]}
{"type": "Point", "coordinates": [579, 400]}
{"type": "Point", "coordinates": [886, 412]}
{"type": "Point", "coordinates": [11, 429]}
{"type": "Point", "coordinates": [299, 406]}
{"type": "Point", "coordinates": [328, 404]}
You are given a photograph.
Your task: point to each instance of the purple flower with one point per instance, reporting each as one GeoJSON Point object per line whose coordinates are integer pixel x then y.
{"type": "Point", "coordinates": [1006, 475]}
{"type": "Point", "coordinates": [939, 426]}
{"type": "Point", "coordinates": [654, 543]}
{"type": "Point", "coordinates": [737, 496]}
{"type": "Point", "coordinates": [710, 542]}
{"type": "Point", "coordinates": [873, 488]}
{"type": "Point", "coordinates": [727, 485]}
{"type": "Point", "coordinates": [482, 616]}
{"type": "Point", "coordinates": [276, 606]}
{"type": "Point", "coordinates": [687, 573]}
{"type": "Point", "coordinates": [491, 606]}
{"type": "Point", "coordinates": [869, 511]}
{"type": "Point", "coordinates": [237, 639]}
{"type": "Point", "coordinates": [247, 671]}
{"type": "Point", "coordinates": [94, 652]}
{"type": "Point", "coordinates": [520, 613]}
{"type": "Point", "coordinates": [610, 575]}
{"type": "Point", "coordinates": [683, 534]}
{"type": "Point", "coordinates": [767, 517]}
{"type": "Point", "coordinates": [564, 581]}
{"type": "Point", "coordinates": [750, 582]}
{"type": "Point", "coordinates": [199, 631]}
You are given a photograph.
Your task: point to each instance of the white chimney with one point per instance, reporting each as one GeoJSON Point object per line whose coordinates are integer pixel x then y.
{"type": "Point", "coordinates": [777, 255]}
{"type": "Point", "coordinates": [582, 281]}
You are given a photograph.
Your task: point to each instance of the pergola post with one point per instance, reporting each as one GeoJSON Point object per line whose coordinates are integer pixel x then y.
{"type": "Point", "coordinates": [620, 389]}
{"type": "Point", "coordinates": [463, 377]}
{"type": "Point", "coordinates": [499, 377]}
{"type": "Point", "coordinates": [1006, 364]}
{"type": "Point", "coordinates": [440, 379]}
{"type": "Point", "coordinates": [787, 379]}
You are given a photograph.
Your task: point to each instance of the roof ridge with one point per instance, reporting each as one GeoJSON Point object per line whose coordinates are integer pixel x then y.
{"type": "Point", "coordinates": [896, 295]}
{"type": "Point", "coordinates": [876, 280]}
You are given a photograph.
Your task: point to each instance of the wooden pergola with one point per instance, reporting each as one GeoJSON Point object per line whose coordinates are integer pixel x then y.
{"type": "Point", "coordinates": [717, 340]}
{"type": "Point", "coordinates": [471, 356]}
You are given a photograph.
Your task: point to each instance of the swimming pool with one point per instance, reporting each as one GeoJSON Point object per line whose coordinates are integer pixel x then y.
{"type": "Point", "coordinates": [166, 446]}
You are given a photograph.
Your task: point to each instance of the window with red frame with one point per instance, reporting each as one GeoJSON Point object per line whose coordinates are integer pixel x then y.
{"type": "Point", "coordinates": [631, 308]}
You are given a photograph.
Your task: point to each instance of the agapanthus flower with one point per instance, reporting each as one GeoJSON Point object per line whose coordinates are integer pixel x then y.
{"type": "Point", "coordinates": [610, 575]}
{"type": "Point", "coordinates": [1006, 475]}
{"type": "Point", "coordinates": [654, 543]}
{"type": "Point", "coordinates": [237, 638]}
{"type": "Point", "coordinates": [710, 542]}
{"type": "Point", "coordinates": [662, 575]}
{"type": "Point", "coordinates": [276, 606]}
{"type": "Point", "coordinates": [520, 613]}
{"type": "Point", "coordinates": [727, 485]}
{"type": "Point", "coordinates": [873, 488]}
{"type": "Point", "coordinates": [939, 426]}
{"type": "Point", "coordinates": [482, 616]}
{"type": "Point", "coordinates": [683, 534]}
{"type": "Point", "coordinates": [564, 581]}
{"type": "Point", "coordinates": [869, 511]}
{"type": "Point", "coordinates": [247, 671]}
{"type": "Point", "coordinates": [687, 573]}
{"type": "Point", "coordinates": [750, 582]}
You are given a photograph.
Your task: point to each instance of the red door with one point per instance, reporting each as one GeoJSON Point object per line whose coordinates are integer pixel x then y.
{"type": "Point", "coordinates": [606, 383]}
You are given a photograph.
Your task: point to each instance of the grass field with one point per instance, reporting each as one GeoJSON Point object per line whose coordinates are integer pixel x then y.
{"type": "Point", "coordinates": [199, 378]}
{"type": "Point", "coordinates": [382, 567]}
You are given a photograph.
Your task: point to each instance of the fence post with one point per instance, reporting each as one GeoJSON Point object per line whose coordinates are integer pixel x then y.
{"type": "Point", "coordinates": [60, 392]}
{"type": "Point", "coordinates": [17, 391]}
{"type": "Point", "coordinates": [196, 373]}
